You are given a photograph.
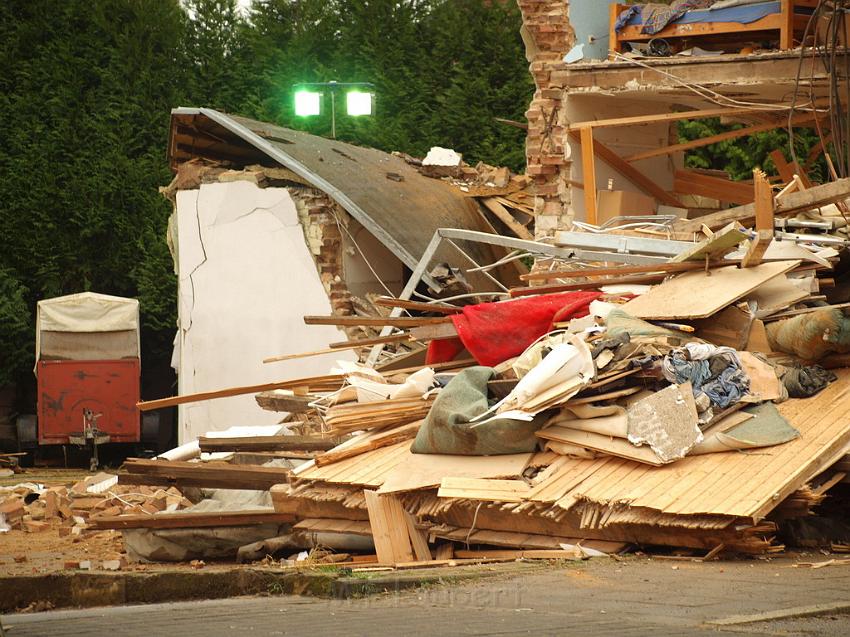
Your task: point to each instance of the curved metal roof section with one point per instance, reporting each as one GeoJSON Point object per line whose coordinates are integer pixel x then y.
{"type": "Point", "coordinates": [389, 197]}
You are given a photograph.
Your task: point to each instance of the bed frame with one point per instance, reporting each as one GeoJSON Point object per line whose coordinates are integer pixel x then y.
{"type": "Point", "coordinates": [787, 22]}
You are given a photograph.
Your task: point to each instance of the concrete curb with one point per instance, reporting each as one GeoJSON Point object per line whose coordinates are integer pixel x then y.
{"type": "Point", "coordinates": [74, 589]}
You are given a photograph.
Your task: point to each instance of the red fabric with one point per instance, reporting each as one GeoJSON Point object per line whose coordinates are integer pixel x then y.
{"type": "Point", "coordinates": [495, 332]}
{"type": "Point", "coordinates": [443, 350]}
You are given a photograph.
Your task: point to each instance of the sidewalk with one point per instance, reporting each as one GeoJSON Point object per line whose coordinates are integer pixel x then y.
{"type": "Point", "coordinates": [600, 597]}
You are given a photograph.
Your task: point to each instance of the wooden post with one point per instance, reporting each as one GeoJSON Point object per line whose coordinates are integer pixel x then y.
{"type": "Point", "coordinates": [588, 166]}
{"type": "Point", "coordinates": [786, 30]}
{"type": "Point", "coordinates": [764, 209]}
{"type": "Point", "coordinates": [613, 42]}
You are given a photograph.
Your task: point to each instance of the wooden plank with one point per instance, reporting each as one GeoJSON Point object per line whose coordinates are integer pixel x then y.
{"type": "Point", "coordinates": [332, 383]}
{"type": "Point", "coordinates": [720, 137]}
{"type": "Point", "coordinates": [267, 443]}
{"type": "Point", "coordinates": [588, 167]}
{"type": "Point", "coordinates": [418, 538]}
{"type": "Point", "coordinates": [420, 471]}
{"type": "Point", "coordinates": [389, 528]}
{"type": "Point", "coordinates": [792, 203]}
{"type": "Point", "coordinates": [483, 489]}
{"type": "Point", "coordinates": [690, 182]}
{"type": "Point", "coordinates": [437, 308]}
{"type": "Point", "coordinates": [376, 321]}
{"type": "Point", "coordinates": [507, 218]}
{"type": "Point", "coordinates": [695, 295]}
{"type": "Point", "coordinates": [379, 440]}
{"type": "Point", "coordinates": [365, 342]}
{"type": "Point", "coordinates": [715, 246]}
{"type": "Point", "coordinates": [212, 475]}
{"type": "Point", "coordinates": [670, 117]}
{"type": "Point", "coordinates": [595, 284]}
{"type": "Point", "coordinates": [192, 520]}
{"type": "Point", "coordinates": [631, 173]}
{"type": "Point", "coordinates": [545, 275]}
{"type": "Point", "coordinates": [764, 207]}
{"type": "Point", "coordinates": [334, 525]}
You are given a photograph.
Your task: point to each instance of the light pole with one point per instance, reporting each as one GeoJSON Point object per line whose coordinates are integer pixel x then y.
{"type": "Point", "coordinates": [359, 99]}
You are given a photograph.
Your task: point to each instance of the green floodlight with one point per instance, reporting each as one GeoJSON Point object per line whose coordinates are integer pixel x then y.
{"type": "Point", "coordinates": [307, 103]}
{"type": "Point", "coordinates": [358, 103]}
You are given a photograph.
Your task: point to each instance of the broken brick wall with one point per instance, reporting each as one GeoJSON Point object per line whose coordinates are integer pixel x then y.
{"type": "Point", "coordinates": [548, 36]}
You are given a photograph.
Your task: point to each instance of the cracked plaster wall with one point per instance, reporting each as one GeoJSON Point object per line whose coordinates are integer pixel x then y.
{"type": "Point", "coordinates": [246, 279]}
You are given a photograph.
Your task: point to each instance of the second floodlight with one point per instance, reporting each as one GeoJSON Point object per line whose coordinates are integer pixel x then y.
{"type": "Point", "coordinates": [358, 103]}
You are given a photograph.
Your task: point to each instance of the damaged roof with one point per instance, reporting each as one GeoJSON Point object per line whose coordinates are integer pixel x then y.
{"type": "Point", "coordinates": [398, 205]}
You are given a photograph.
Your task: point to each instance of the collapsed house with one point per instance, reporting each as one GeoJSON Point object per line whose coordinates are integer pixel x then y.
{"type": "Point", "coordinates": [270, 224]}
{"type": "Point", "coordinates": [671, 372]}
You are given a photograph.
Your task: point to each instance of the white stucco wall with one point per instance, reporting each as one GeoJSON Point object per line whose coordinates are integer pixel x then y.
{"type": "Point", "coordinates": [246, 279]}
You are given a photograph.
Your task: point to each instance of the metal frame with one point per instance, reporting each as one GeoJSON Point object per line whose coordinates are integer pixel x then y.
{"type": "Point", "coordinates": [619, 244]}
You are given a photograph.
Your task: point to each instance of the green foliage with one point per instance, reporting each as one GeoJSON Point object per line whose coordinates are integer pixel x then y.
{"type": "Point", "coordinates": [88, 86]}
{"type": "Point", "coordinates": [739, 156]}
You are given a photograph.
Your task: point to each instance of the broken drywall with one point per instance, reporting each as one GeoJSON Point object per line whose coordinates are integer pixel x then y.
{"type": "Point", "coordinates": [246, 279]}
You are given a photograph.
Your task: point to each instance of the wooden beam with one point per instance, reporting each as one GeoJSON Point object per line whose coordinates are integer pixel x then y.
{"type": "Point", "coordinates": [588, 167]}
{"type": "Point", "coordinates": [690, 182]}
{"type": "Point", "coordinates": [787, 169]}
{"type": "Point", "coordinates": [365, 342]}
{"type": "Point", "coordinates": [589, 285]}
{"type": "Point", "coordinates": [192, 520]}
{"type": "Point", "coordinates": [631, 173]}
{"type": "Point", "coordinates": [786, 26]}
{"type": "Point", "coordinates": [376, 321]}
{"type": "Point", "coordinates": [418, 306]}
{"type": "Point", "coordinates": [670, 117]}
{"type": "Point", "coordinates": [317, 383]}
{"type": "Point", "coordinates": [507, 218]}
{"type": "Point", "coordinates": [267, 443]}
{"type": "Point", "coordinates": [713, 139]}
{"type": "Point", "coordinates": [615, 271]}
{"type": "Point", "coordinates": [206, 474]}
{"type": "Point", "coordinates": [791, 203]}
{"type": "Point", "coordinates": [764, 206]}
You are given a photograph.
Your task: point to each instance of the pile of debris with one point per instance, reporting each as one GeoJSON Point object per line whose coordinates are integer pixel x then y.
{"type": "Point", "coordinates": [80, 508]}
{"type": "Point", "coordinates": [687, 392]}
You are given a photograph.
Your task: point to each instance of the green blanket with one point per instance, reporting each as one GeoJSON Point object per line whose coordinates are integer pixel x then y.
{"type": "Point", "coordinates": [448, 430]}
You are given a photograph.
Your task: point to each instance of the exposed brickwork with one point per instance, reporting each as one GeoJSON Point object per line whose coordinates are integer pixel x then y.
{"type": "Point", "coordinates": [318, 214]}
{"type": "Point", "coordinates": [547, 24]}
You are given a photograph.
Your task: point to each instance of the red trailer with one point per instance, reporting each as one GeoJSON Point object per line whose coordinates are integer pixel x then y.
{"type": "Point", "coordinates": [88, 368]}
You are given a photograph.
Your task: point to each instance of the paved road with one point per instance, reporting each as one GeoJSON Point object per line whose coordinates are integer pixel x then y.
{"type": "Point", "coordinates": [636, 597]}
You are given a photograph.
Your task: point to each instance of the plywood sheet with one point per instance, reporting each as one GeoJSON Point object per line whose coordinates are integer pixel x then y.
{"type": "Point", "coordinates": [775, 295]}
{"type": "Point", "coordinates": [695, 295]}
{"type": "Point", "coordinates": [421, 471]}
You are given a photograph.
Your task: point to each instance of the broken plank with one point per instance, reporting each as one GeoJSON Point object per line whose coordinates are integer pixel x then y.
{"type": "Point", "coordinates": [389, 528]}
{"type": "Point", "coordinates": [418, 306]}
{"type": "Point", "coordinates": [212, 475]}
{"type": "Point", "coordinates": [377, 441]}
{"type": "Point", "coordinates": [355, 321]}
{"type": "Point", "coordinates": [794, 202]}
{"type": "Point", "coordinates": [764, 205]}
{"type": "Point", "coordinates": [318, 383]}
{"type": "Point", "coordinates": [267, 443]}
{"type": "Point", "coordinates": [671, 267]}
{"type": "Point", "coordinates": [192, 519]}
{"type": "Point", "coordinates": [588, 166]}
{"type": "Point", "coordinates": [519, 230]}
